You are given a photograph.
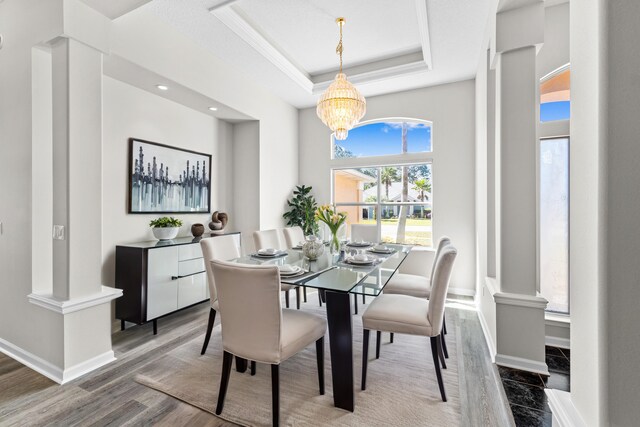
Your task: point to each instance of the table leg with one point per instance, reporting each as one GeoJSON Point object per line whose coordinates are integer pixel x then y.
{"type": "Point", "coordinates": [341, 348]}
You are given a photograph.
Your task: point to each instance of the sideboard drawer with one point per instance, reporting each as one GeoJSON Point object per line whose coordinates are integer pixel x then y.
{"type": "Point", "coordinates": [186, 268]}
{"type": "Point", "coordinates": [192, 289]}
{"type": "Point", "coordinates": [186, 252]}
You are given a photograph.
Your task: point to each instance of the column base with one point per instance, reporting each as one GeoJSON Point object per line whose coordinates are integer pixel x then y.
{"type": "Point", "coordinates": [564, 413]}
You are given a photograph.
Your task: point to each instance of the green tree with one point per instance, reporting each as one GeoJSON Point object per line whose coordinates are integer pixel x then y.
{"type": "Point", "coordinates": [388, 176]}
{"type": "Point", "coordinates": [423, 186]}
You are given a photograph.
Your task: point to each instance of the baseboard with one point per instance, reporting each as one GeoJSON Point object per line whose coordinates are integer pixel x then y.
{"type": "Point", "coordinates": [557, 342]}
{"type": "Point", "coordinates": [462, 291]}
{"type": "Point", "coordinates": [87, 366]}
{"type": "Point", "coordinates": [32, 361]}
{"type": "Point", "coordinates": [564, 412]}
{"type": "Point", "coordinates": [51, 371]}
{"type": "Point", "coordinates": [522, 364]}
{"type": "Point", "coordinates": [487, 336]}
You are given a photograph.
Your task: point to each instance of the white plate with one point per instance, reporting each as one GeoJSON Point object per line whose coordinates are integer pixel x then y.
{"type": "Point", "coordinates": [295, 270]}
{"type": "Point", "coordinates": [368, 261]}
{"type": "Point", "coordinates": [382, 251]}
{"type": "Point", "coordinates": [269, 255]}
{"type": "Point", "coordinates": [299, 273]}
{"type": "Point", "coordinates": [359, 244]}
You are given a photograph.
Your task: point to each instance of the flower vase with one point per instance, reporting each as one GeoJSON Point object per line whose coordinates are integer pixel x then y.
{"type": "Point", "coordinates": [334, 243]}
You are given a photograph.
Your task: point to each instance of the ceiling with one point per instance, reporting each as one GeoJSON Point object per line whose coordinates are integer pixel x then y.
{"type": "Point", "coordinates": [288, 46]}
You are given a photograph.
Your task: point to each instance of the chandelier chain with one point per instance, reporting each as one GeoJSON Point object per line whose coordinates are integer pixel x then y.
{"type": "Point", "coordinates": [339, 48]}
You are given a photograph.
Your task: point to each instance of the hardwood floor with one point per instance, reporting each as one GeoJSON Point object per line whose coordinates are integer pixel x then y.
{"type": "Point", "coordinates": [111, 397]}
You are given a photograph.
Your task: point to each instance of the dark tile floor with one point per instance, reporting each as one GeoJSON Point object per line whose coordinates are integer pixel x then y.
{"type": "Point", "coordinates": [525, 390]}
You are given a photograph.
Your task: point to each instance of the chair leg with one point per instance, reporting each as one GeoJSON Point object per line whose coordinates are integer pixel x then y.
{"type": "Point", "coordinates": [275, 394]}
{"type": "Point", "coordinates": [435, 343]}
{"type": "Point", "coordinates": [444, 346]}
{"type": "Point", "coordinates": [355, 302]}
{"type": "Point", "coordinates": [253, 367]}
{"type": "Point", "coordinates": [365, 356]}
{"type": "Point", "coordinates": [441, 353]}
{"type": "Point", "coordinates": [286, 299]}
{"type": "Point", "coordinates": [304, 291]}
{"type": "Point", "coordinates": [320, 360]}
{"type": "Point", "coordinates": [207, 337]}
{"type": "Point", "coordinates": [378, 339]}
{"type": "Point", "coordinates": [224, 380]}
{"type": "Point", "coordinates": [391, 338]}
{"type": "Point", "coordinates": [444, 324]}
{"type": "Point", "coordinates": [364, 299]}
{"type": "Point", "coordinates": [298, 297]}
{"type": "Point", "coordinates": [319, 298]}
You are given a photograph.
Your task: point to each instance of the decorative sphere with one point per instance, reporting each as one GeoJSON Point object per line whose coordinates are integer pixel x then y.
{"type": "Point", "coordinates": [312, 248]}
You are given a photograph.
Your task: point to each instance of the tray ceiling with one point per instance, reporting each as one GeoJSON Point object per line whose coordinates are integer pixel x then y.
{"type": "Point", "coordinates": [289, 45]}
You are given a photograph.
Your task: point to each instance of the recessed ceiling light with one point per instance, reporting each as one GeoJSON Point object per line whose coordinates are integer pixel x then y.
{"type": "Point", "coordinates": [162, 87]}
{"type": "Point", "coordinates": [213, 109]}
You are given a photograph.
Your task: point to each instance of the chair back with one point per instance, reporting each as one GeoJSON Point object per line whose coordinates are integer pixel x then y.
{"type": "Point", "coordinates": [293, 236]}
{"type": "Point", "coordinates": [440, 286]}
{"type": "Point", "coordinates": [444, 241]}
{"type": "Point", "coordinates": [222, 248]}
{"type": "Point", "coordinates": [249, 298]}
{"type": "Point", "coordinates": [364, 232]}
{"type": "Point", "coordinates": [266, 239]}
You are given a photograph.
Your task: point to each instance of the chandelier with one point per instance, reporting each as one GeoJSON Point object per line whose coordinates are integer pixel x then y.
{"type": "Point", "coordinates": [341, 106]}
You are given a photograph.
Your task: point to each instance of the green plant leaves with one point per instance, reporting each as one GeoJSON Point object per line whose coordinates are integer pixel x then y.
{"type": "Point", "coordinates": [302, 210]}
{"type": "Point", "coordinates": [165, 221]}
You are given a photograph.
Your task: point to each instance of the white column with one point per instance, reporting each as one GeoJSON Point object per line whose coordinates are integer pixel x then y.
{"type": "Point", "coordinates": [77, 296]}
{"type": "Point", "coordinates": [520, 331]}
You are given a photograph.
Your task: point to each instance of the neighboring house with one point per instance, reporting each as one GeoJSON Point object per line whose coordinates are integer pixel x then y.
{"type": "Point", "coordinates": [395, 195]}
{"type": "Point", "coordinates": [349, 187]}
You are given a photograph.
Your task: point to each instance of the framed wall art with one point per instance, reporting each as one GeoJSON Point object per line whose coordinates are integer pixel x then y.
{"type": "Point", "coordinates": [164, 179]}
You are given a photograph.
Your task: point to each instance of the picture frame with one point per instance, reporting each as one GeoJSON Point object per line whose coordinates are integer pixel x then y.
{"type": "Point", "coordinates": [166, 179]}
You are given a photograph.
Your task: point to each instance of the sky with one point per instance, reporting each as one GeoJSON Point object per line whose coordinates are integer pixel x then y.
{"type": "Point", "coordinates": [558, 110]}
{"type": "Point", "coordinates": [378, 139]}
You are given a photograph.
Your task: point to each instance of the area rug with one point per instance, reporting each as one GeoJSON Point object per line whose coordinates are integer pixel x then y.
{"type": "Point", "coordinates": [402, 389]}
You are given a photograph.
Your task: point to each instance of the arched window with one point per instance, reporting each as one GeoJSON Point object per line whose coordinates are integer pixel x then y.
{"type": "Point", "coordinates": [382, 177]}
{"type": "Point", "coordinates": [555, 95]}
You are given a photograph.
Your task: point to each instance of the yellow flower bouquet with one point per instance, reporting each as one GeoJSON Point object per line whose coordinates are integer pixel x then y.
{"type": "Point", "coordinates": [334, 220]}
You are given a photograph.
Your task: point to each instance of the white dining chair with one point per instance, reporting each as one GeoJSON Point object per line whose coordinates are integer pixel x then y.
{"type": "Point", "coordinates": [364, 233]}
{"type": "Point", "coordinates": [269, 239]}
{"type": "Point", "coordinates": [274, 239]}
{"type": "Point", "coordinates": [405, 314]}
{"type": "Point", "coordinates": [416, 281]}
{"type": "Point", "coordinates": [222, 248]}
{"type": "Point", "coordinates": [293, 236]}
{"type": "Point", "coordinates": [256, 327]}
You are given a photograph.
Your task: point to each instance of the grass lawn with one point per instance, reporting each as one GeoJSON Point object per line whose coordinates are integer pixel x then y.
{"type": "Point", "coordinates": [410, 221]}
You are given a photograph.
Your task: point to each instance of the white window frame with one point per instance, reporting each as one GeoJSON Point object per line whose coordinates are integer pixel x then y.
{"type": "Point", "coordinates": [394, 160]}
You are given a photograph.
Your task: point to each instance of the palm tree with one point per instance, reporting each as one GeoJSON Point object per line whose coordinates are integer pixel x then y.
{"type": "Point", "coordinates": [422, 185]}
{"type": "Point", "coordinates": [404, 209]}
{"type": "Point", "coordinates": [387, 177]}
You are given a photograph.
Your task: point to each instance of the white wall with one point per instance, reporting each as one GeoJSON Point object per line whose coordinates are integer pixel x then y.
{"type": "Point", "coordinates": [22, 324]}
{"type": "Point", "coordinates": [246, 172]}
{"type": "Point", "coordinates": [451, 109]}
{"type": "Point", "coordinates": [555, 51]}
{"type": "Point", "coordinates": [132, 112]}
{"type": "Point", "coordinates": [142, 38]}
{"type": "Point", "coordinates": [605, 240]}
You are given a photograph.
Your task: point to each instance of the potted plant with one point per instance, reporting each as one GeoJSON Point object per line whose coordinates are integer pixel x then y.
{"type": "Point", "coordinates": [165, 228]}
{"type": "Point", "coordinates": [302, 210]}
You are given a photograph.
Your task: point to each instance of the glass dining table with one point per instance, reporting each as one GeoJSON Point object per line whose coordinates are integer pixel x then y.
{"type": "Point", "coordinates": [336, 279]}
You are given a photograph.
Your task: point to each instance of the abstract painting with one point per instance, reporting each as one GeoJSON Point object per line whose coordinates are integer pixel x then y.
{"type": "Point", "coordinates": [164, 179]}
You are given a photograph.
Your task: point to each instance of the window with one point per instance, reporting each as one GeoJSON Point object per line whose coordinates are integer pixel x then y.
{"type": "Point", "coordinates": [555, 95]}
{"type": "Point", "coordinates": [385, 138]}
{"type": "Point", "coordinates": [554, 223]}
{"type": "Point", "coordinates": [393, 197]}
